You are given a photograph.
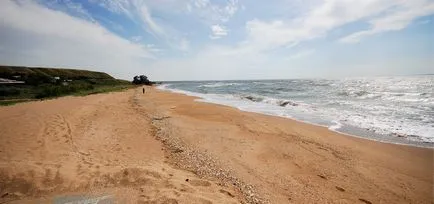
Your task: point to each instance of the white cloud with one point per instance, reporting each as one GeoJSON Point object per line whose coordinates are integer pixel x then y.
{"type": "Point", "coordinates": [184, 45]}
{"type": "Point", "coordinates": [213, 62]}
{"type": "Point", "coordinates": [424, 22]}
{"type": "Point", "coordinates": [147, 18]}
{"type": "Point", "coordinates": [211, 13]}
{"type": "Point", "coordinates": [248, 58]}
{"type": "Point", "coordinates": [41, 36]}
{"type": "Point", "coordinates": [189, 8]}
{"type": "Point", "coordinates": [332, 14]}
{"type": "Point", "coordinates": [136, 10]}
{"type": "Point", "coordinates": [218, 31]}
{"type": "Point", "coordinates": [201, 3]}
{"type": "Point", "coordinates": [137, 38]}
{"type": "Point", "coordinates": [31, 34]}
{"type": "Point", "coordinates": [153, 48]}
{"type": "Point", "coordinates": [230, 9]}
{"type": "Point", "coordinates": [70, 7]}
{"type": "Point", "coordinates": [116, 6]}
{"type": "Point", "coordinates": [301, 54]}
{"type": "Point", "coordinates": [78, 9]}
{"type": "Point", "coordinates": [141, 12]}
{"type": "Point", "coordinates": [399, 19]}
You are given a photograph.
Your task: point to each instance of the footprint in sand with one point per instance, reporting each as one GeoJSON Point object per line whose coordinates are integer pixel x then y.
{"type": "Point", "coordinates": [163, 200]}
{"type": "Point", "coordinates": [226, 193]}
{"type": "Point", "coordinates": [185, 188]}
{"type": "Point", "coordinates": [198, 182]}
{"type": "Point", "coordinates": [340, 189]}
{"type": "Point", "coordinates": [365, 201]}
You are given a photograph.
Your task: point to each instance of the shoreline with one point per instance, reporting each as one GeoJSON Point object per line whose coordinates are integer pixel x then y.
{"type": "Point", "coordinates": [362, 132]}
{"type": "Point", "coordinates": [288, 146]}
{"type": "Point", "coordinates": [162, 146]}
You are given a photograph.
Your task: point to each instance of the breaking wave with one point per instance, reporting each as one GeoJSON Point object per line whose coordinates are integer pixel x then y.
{"type": "Point", "coordinates": [398, 107]}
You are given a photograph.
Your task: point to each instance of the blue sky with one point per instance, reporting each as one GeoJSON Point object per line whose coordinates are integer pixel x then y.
{"type": "Point", "coordinates": [221, 39]}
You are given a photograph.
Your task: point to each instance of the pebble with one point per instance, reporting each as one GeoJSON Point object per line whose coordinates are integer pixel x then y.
{"type": "Point", "coordinates": [201, 163]}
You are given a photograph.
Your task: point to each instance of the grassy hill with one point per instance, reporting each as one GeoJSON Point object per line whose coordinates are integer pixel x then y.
{"type": "Point", "coordinates": [40, 73]}
{"type": "Point", "coordinates": [42, 83]}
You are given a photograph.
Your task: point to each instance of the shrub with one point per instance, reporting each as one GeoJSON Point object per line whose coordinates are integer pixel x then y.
{"type": "Point", "coordinates": [54, 91]}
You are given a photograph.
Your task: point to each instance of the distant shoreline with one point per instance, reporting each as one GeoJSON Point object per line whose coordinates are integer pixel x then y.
{"type": "Point", "coordinates": [277, 79]}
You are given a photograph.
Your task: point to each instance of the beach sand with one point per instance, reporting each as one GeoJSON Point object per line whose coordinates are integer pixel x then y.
{"type": "Point", "coordinates": [163, 147]}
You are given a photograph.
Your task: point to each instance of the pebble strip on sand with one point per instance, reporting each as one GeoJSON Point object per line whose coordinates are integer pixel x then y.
{"type": "Point", "coordinates": [189, 158]}
{"type": "Point", "coordinates": [199, 162]}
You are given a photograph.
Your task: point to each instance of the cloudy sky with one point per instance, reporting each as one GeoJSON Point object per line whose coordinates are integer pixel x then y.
{"type": "Point", "coordinates": [221, 39]}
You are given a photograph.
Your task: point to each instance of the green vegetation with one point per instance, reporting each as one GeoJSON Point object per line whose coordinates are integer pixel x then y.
{"type": "Point", "coordinates": [36, 75]}
{"type": "Point", "coordinates": [103, 89]}
{"type": "Point", "coordinates": [41, 83]}
{"type": "Point", "coordinates": [142, 79]}
{"type": "Point", "coordinates": [12, 102]}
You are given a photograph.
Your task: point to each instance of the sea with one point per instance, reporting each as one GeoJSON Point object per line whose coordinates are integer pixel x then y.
{"type": "Point", "coordinates": [398, 109]}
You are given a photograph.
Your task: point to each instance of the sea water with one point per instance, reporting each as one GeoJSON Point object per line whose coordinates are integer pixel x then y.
{"type": "Point", "coordinates": [390, 109]}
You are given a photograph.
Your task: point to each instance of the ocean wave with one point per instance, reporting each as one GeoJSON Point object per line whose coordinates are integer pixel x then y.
{"type": "Point", "coordinates": [380, 107]}
{"type": "Point", "coordinates": [253, 98]}
{"type": "Point", "coordinates": [218, 84]}
{"type": "Point", "coordinates": [268, 100]}
{"type": "Point", "coordinates": [336, 126]}
{"type": "Point", "coordinates": [285, 103]}
{"type": "Point", "coordinates": [320, 83]}
{"type": "Point", "coordinates": [389, 96]}
{"type": "Point", "coordinates": [353, 93]}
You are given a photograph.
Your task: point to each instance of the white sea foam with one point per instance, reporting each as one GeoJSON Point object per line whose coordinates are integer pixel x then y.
{"type": "Point", "coordinates": [336, 126]}
{"type": "Point", "coordinates": [218, 84]}
{"type": "Point", "coordinates": [395, 111]}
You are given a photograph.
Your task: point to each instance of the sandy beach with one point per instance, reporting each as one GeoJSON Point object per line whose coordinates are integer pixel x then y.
{"type": "Point", "coordinates": [162, 147]}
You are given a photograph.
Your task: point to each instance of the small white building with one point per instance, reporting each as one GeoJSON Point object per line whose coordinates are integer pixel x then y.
{"type": "Point", "coordinates": [10, 81]}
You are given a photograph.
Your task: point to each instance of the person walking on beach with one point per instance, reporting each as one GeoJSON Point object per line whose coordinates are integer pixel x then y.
{"type": "Point", "coordinates": [143, 90]}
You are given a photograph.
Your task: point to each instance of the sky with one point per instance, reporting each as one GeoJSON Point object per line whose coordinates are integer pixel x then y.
{"type": "Point", "coordinates": [221, 39]}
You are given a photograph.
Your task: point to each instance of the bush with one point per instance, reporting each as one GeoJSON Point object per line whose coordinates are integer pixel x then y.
{"type": "Point", "coordinates": [142, 79]}
{"type": "Point", "coordinates": [54, 91]}
{"type": "Point", "coordinates": [9, 91]}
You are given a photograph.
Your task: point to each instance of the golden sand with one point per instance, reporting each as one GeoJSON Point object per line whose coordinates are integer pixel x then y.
{"type": "Point", "coordinates": [162, 147]}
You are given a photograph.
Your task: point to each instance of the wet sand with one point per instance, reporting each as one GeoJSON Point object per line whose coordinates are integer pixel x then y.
{"type": "Point", "coordinates": [164, 147]}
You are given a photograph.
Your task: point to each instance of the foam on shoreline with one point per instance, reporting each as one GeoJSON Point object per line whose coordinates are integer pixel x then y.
{"type": "Point", "coordinates": [251, 105]}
